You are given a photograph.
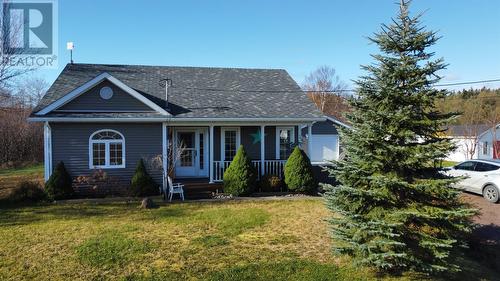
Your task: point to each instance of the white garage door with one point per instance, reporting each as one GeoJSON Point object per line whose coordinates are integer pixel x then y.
{"type": "Point", "coordinates": [324, 148]}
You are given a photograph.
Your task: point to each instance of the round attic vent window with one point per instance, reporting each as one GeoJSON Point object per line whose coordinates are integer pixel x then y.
{"type": "Point", "coordinates": [106, 93]}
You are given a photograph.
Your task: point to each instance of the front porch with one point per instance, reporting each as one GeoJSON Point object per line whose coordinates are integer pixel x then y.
{"type": "Point", "coordinates": [205, 151]}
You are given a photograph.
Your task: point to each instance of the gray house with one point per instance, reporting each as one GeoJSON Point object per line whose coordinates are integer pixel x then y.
{"type": "Point", "coordinates": [108, 117]}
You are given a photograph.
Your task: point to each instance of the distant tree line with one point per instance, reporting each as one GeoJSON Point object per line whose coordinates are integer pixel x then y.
{"type": "Point", "coordinates": [21, 141]}
{"type": "Point", "coordinates": [479, 109]}
{"type": "Point", "coordinates": [20, 91]}
{"type": "Point", "coordinates": [476, 106]}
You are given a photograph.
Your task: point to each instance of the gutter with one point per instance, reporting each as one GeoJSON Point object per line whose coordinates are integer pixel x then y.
{"type": "Point", "coordinates": [335, 120]}
{"type": "Point", "coordinates": [172, 120]}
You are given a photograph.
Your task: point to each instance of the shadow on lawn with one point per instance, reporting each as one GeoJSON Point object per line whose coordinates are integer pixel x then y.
{"type": "Point", "coordinates": [481, 261]}
{"type": "Point", "coordinates": [22, 214]}
{"type": "Point", "coordinates": [488, 233]}
{"type": "Point", "coordinates": [485, 246]}
{"type": "Point", "coordinates": [278, 270]}
{"type": "Point", "coordinates": [26, 214]}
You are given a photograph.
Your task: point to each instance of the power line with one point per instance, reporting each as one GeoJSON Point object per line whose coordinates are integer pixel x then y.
{"type": "Point", "coordinates": [467, 83]}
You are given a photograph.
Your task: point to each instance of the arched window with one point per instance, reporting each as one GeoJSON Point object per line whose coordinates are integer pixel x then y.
{"type": "Point", "coordinates": [106, 150]}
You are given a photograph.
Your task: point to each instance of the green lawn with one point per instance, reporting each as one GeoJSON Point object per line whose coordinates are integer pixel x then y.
{"type": "Point", "coordinates": [10, 178]}
{"type": "Point", "coordinates": [235, 240]}
{"type": "Point", "coordinates": [26, 171]}
{"type": "Point", "coordinates": [119, 241]}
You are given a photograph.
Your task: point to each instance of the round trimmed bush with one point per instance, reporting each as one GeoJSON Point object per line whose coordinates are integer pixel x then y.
{"type": "Point", "coordinates": [59, 186]}
{"type": "Point", "coordinates": [271, 183]}
{"type": "Point", "coordinates": [142, 183]}
{"type": "Point", "coordinates": [298, 172]}
{"type": "Point", "coordinates": [240, 177]}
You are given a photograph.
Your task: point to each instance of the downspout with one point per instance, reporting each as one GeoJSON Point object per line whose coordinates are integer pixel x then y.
{"type": "Point", "coordinates": [47, 150]}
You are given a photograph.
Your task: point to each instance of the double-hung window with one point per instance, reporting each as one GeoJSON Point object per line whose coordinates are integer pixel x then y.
{"type": "Point", "coordinates": [230, 141]}
{"type": "Point", "coordinates": [106, 150]}
{"type": "Point", "coordinates": [485, 148]}
{"type": "Point", "coordinates": [285, 139]}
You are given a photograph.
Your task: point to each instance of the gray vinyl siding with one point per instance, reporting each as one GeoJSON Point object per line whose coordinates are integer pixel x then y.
{"type": "Point", "coordinates": [270, 139]}
{"type": "Point", "coordinates": [217, 143]}
{"type": "Point", "coordinates": [70, 144]}
{"type": "Point", "coordinates": [322, 128]}
{"type": "Point", "coordinates": [247, 140]}
{"type": "Point", "coordinates": [296, 135]}
{"type": "Point", "coordinates": [91, 100]}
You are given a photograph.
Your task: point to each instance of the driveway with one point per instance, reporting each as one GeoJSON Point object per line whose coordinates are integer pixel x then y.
{"type": "Point", "coordinates": [489, 218]}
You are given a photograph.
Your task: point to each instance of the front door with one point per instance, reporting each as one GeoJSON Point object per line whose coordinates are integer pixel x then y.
{"type": "Point", "coordinates": [191, 159]}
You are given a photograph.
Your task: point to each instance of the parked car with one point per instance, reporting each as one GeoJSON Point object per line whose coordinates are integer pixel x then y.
{"type": "Point", "coordinates": [481, 177]}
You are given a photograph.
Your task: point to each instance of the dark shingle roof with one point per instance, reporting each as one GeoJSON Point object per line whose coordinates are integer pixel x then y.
{"type": "Point", "coordinates": [466, 130]}
{"type": "Point", "coordinates": [200, 91]}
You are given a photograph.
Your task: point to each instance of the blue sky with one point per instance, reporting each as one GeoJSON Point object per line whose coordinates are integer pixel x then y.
{"type": "Point", "coordinates": [295, 35]}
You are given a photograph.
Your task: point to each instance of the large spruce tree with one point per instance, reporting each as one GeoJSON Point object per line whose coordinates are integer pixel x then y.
{"type": "Point", "coordinates": [392, 208]}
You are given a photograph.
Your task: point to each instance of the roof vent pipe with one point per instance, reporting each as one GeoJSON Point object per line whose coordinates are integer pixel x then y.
{"type": "Point", "coordinates": [167, 83]}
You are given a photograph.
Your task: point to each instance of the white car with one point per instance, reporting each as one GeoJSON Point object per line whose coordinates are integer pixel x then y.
{"type": "Point", "coordinates": [482, 177]}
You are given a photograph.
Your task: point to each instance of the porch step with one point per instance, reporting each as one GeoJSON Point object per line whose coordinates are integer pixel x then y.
{"type": "Point", "coordinates": [200, 189]}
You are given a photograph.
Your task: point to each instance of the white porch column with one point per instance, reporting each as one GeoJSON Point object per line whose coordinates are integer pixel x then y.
{"type": "Point", "coordinates": [47, 150]}
{"type": "Point", "coordinates": [165, 152]}
{"type": "Point", "coordinates": [309, 140]}
{"type": "Point", "coordinates": [211, 154]}
{"type": "Point", "coordinates": [262, 149]}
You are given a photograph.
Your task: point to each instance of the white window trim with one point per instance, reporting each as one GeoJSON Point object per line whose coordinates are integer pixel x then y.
{"type": "Point", "coordinates": [205, 147]}
{"type": "Point", "coordinates": [106, 153]}
{"type": "Point", "coordinates": [164, 153]}
{"type": "Point", "coordinates": [292, 138]}
{"type": "Point", "coordinates": [223, 140]}
{"type": "Point", "coordinates": [196, 163]}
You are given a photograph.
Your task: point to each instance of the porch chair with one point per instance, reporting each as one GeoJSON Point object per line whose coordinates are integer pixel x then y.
{"type": "Point", "coordinates": [174, 188]}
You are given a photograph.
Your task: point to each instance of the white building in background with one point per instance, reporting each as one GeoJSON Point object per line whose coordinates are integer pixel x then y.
{"type": "Point", "coordinates": [465, 138]}
{"type": "Point", "coordinates": [489, 144]}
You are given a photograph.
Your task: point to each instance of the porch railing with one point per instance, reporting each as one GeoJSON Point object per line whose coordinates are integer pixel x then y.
{"type": "Point", "coordinates": [271, 167]}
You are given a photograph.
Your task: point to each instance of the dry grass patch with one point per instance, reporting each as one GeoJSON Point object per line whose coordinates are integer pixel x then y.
{"type": "Point", "coordinates": [10, 178]}
{"type": "Point", "coordinates": [235, 240]}
{"type": "Point", "coordinates": [116, 241]}
{"type": "Point", "coordinates": [110, 250]}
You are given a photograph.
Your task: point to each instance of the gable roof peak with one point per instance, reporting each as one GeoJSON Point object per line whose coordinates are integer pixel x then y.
{"type": "Point", "coordinates": [93, 82]}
